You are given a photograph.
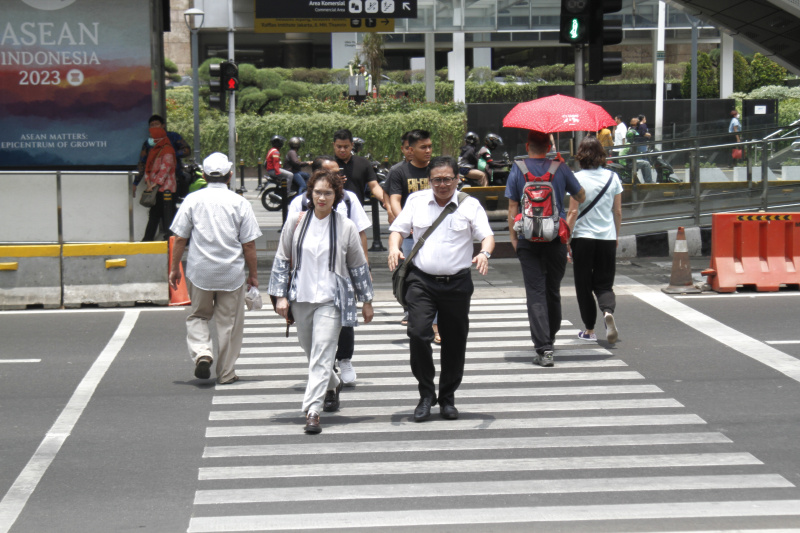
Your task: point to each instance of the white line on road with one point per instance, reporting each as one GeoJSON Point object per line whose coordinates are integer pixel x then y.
{"type": "Point", "coordinates": [20, 361]}
{"type": "Point", "coordinates": [492, 488]}
{"type": "Point", "coordinates": [92, 310]}
{"type": "Point", "coordinates": [332, 470]}
{"type": "Point", "coordinates": [17, 496]}
{"type": "Point", "coordinates": [482, 423]}
{"type": "Point", "coordinates": [737, 295]}
{"type": "Point", "coordinates": [506, 443]}
{"type": "Point", "coordinates": [463, 394]}
{"type": "Point", "coordinates": [757, 350]}
{"type": "Point", "coordinates": [366, 335]}
{"type": "Point", "coordinates": [500, 515]}
{"type": "Point", "coordinates": [401, 344]}
{"type": "Point", "coordinates": [783, 342]}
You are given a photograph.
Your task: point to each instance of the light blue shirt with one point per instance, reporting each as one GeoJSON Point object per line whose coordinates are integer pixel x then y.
{"type": "Point", "coordinates": [735, 123]}
{"type": "Point", "coordinates": [599, 222]}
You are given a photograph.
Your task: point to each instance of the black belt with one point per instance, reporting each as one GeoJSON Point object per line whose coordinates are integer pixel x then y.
{"type": "Point", "coordinates": [444, 279]}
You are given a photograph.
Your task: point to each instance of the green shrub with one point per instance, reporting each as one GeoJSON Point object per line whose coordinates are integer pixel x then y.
{"type": "Point", "coordinates": [707, 80]}
{"type": "Point", "coordinates": [508, 70]}
{"type": "Point", "coordinates": [480, 74]}
{"type": "Point", "coordinates": [202, 70]}
{"type": "Point", "coordinates": [170, 66]}
{"type": "Point", "coordinates": [311, 75]}
{"type": "Point", "coordinates": [175, 77]}
{"type": "Point", "coordinates": [766, 72]}
{"type": "Point", "coordinates": [441, 74]}
{"type": "Point", "coordinates": [248, 75]}
{"type": "Point", "coordinates": [742, 74]}
{"type": "Point", "coordinates": [267, 79]}
{"type": "Point", "coordinates": [294, 89]}
{"type": "Point", "coordinates": [327, 91]}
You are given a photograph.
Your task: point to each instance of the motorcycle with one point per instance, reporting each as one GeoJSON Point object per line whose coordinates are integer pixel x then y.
{"type": "Point", "coordinates": [272, 193]}
{"type": "Point", "coordinates": [664, 171]}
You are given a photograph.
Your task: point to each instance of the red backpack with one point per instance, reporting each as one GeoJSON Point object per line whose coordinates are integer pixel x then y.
{"type": "Point", "coordinates": [539, 216]}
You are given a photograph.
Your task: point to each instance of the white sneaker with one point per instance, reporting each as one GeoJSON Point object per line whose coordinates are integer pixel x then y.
{"type": "Point", "coordinates": [348, 372]}
{"type": "Point", "coordinates": [611, 328]}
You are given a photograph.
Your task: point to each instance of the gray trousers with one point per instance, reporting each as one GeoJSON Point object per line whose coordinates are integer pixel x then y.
{"type": "Point", "coordinates": [318, 328]}
{"type": "Point", "coordinates": [227, 310]}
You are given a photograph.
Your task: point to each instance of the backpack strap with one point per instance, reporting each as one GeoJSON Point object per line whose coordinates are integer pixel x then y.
{"type": "Point", "coordinates": [524, 168]}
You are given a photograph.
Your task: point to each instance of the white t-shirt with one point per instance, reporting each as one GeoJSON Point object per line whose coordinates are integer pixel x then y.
{"type": "Point", "coordinates": [315, 283]}
{"type": "Point", "coordinates": [599, 222]}
{"type": "Point", "coordinates": [619, 134]}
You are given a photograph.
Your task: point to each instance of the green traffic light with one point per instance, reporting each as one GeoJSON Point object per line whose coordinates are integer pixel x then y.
{"type": "Point", "coordinates": [575, 29]}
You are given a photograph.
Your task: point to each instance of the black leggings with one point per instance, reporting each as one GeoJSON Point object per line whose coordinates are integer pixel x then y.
{"type": "Point", "coordinates": [163, 212]}
{"type": "Point", "coordinates": [594, 266]}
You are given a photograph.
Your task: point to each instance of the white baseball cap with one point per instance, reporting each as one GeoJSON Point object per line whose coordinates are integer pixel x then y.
{"type": "Point", "coordinates": [217, 165]}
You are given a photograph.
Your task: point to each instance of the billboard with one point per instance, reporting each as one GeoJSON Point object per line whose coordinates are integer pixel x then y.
{"type": "Point", "coordinates": [76, 83]}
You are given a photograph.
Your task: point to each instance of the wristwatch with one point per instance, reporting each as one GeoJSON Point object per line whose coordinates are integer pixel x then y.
{"type": "Point", "coordinates": [487, 254]}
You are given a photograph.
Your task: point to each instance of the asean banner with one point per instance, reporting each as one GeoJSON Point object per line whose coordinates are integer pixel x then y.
{"type": "Point", "coordinates": [76, 83]}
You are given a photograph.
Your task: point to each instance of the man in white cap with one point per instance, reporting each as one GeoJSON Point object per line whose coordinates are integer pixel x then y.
{"type": "Point", "coordinates": [223, 230]}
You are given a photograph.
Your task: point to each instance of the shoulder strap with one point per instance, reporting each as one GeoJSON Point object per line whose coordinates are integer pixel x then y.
{"type": "Point", "coordinates": [450, 208]}
{"type": "Point", "coordinates": [348, 203]}
{"type": "Point", "coordinates": [304, 203]}
{"type": "Point", "coordinates": [599, 195]}
{"type": "Point", "coordinates": [524, 168]}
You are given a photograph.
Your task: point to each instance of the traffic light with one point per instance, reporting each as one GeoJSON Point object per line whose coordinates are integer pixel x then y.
{"type": "Point", "coordinates": [217, 84]}
{"type": "Point", "coordinates": [604, 32]}
{"type": "Point", "coordinates": [230, 76]}
{"type": "Point", "coordinates": [576, 18]}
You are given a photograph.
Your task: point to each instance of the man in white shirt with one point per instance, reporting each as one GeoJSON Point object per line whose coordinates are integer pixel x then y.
{"type": "Point", "coordinates": [620, 130]}
{"type": "Point", "coordinates": [223, 230]}
{"type": "Point", "coordinates": [439, 280]}
{"type": "Point", "coordinates": [350, 207]}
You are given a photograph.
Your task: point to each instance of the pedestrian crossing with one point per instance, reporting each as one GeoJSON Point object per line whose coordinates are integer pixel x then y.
{"type": "Point", "coordinates": [588, 445]}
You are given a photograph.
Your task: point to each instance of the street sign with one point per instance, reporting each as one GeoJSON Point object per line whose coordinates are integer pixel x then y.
{"type": "Point", "coordinates": [323, 25]}
{"type": "Point", "coordinates": [333, 9]}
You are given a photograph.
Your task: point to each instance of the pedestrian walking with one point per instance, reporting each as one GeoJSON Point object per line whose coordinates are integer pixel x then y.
{"type": "Point", "coordinates": [352, 209]}
{"type": "Point", "coordinates": [543, 262]}
{"type": "Point", "coordinates": [319, 273]}
{"type": "Point", "coordinates": [439, 279]}
{"type": "Point", "coordinates": [595, 225]}
{"type": "Point", "coordinates": [358, 169]}
{"type": "Point", "coordinates": [223, 230]}
{"type": "Point", "coordinates": [159, 173]}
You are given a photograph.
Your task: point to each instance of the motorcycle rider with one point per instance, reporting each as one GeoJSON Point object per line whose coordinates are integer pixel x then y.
{"type": "Point", "coordinates": [272, 162]}
{"type": "Point", "coordinates": [293, 164]}
{"type": "Point", "coordinates": [468, 161]}
{"type": "Point", "coordinates": [485, 161]}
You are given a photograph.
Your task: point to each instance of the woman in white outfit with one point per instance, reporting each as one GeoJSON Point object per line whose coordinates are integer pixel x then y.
{"type": "Point", "coordinates": [318, 274]}
{"type": "Point", "coordinates": [595, 226]}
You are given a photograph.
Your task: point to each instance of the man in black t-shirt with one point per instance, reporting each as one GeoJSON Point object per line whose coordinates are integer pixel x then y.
{"type": "Point", "coordinates": [358, 170]}
{"type": "Point", "coordinates": [411, 175]}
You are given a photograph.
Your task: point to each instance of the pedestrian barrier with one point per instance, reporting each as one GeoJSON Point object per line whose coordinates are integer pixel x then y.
{"type": "Point", "coordinates": [755, 249]}
{"type": "Point", "coordinates": [30, 275]}
{"type": "Point", "coordinates": [115, 274]}
{"type": "Point", "coordinates": [680, 280]}
{"type": "Point", "coordinates": [180, 296]}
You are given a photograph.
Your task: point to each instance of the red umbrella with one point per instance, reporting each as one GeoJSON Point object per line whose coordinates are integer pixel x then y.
{"type": "Point", "coordinates": [558, 113]}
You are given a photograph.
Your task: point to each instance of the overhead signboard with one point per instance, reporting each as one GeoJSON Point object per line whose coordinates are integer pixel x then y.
{"type": "Point", "coordinates": [323, 25]}
{"type": "Point", "coordinates": [333, 9]}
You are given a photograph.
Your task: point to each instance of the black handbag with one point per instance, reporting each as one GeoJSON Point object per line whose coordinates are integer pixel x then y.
{"type": "Point", "coordinates": [148, 198]}
{"type": "Point", "coordinates": [400, 273]}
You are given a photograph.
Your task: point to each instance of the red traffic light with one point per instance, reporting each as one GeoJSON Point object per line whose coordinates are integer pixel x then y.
{"type": "Point", "coordinates": [232, 85]}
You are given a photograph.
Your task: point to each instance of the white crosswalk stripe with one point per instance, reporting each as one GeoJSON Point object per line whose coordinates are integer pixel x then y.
{"type": "Point", "coordinates": [569, 445]}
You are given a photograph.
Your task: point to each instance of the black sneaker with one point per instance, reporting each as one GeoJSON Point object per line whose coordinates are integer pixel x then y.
{"type": "Point", "coordinates": [202, 369]}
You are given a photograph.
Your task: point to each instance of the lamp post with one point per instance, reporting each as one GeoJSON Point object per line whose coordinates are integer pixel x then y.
{"type": "Point", "coordinates": [198, 15]}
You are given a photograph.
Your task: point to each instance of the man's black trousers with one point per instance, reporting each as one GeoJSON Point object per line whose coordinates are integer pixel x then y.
{"type": "Point", "coordinates": [425, 297]}
{"type": "Point", "coordinates": [543, 267]}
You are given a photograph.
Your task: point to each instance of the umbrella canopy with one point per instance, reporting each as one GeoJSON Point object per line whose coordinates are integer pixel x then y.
{"type": "Point", "coordinates": [558, 113]}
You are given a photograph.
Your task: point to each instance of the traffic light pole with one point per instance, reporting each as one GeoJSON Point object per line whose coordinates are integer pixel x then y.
{"type": "Point", "coordinates": [231, 94]}
{"type": "Point", "coordinates": [580, 84]}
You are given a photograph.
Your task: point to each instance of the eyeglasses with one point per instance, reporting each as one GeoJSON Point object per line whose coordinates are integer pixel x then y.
{"type": "Point", "coordinates": [323, 194]}
{"type": "Point", "coordinates": [442, 181]}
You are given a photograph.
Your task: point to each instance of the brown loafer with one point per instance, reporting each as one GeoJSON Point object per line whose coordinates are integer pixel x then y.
{"type": "Point", "coordinates": [312, 423]}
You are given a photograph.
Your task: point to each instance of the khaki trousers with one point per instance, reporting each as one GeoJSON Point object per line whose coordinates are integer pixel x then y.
{"type": "Point", "coordinates": [227, 310]}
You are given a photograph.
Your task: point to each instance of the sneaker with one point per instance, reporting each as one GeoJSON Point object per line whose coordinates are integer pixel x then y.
{"type": "Point", "coordinates": [590, 337]}
{"type": "Point", "coordinates": [611, 328]}
{"type": "Point", "coordinates": [348, 373]}
{"type": "Point", "coordinates": [544, 359]}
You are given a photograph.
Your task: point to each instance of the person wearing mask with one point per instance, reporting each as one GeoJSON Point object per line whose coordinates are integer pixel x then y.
{"type": "Point", "coordinates": [468, 161]}
{"type": "Point", "coordinates": [358, 170]}
{"type": "Point", "coordinates": [440, 280]}
{"type": "Point", "coordinates": [543, 263]}
{"type": "Point", "coordinates": [351, 208]}
{"type": "Point", "coordinates": [293, 164]}
{"type": "Point", "coordinates": [180, 146]}
{"type": "Point", "coordinates": [408, 177]}
{"type": "Point", "coordinates": [159, 172]}
{"type": "Point", "coordinates": [221, 230]}
{"type": "Point", "coordinates": [595, 225]}
{"type": "Point", "coordinates": [319, 273]}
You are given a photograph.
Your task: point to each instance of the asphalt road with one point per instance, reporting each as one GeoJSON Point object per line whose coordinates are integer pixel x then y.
{"type": "Point", "coordinates": [689, 423]}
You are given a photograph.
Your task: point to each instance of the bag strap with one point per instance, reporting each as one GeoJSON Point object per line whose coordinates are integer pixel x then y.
{"type": "Point", "coordinates": [599, 195]}
{"type": "Point", "coordinates": [524, 168]}
{"type": "Point", "coordinates": [450, 208]}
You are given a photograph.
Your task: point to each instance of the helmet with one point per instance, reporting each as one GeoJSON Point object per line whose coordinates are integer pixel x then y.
{"type": "Point", "coordinates": [358, 144]}
{"type": "Point", "coordinates": [492, 141]}
{"type": "Point", "coordinates": [277, 141]}
{"type": "Point", "coordinates": [295, 142]}
{"type": "Point", "coordinates": [472, 138]}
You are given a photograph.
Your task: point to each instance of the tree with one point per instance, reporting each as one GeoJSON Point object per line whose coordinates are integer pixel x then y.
{"type": "Point", "coordinates": [707, 79]}
{"type": "Point", "coordinates": [741, 73]}
{"type": "Point", "coordinates": [766, 72]}
{"type": "Point", "coordinates": [374, 56]}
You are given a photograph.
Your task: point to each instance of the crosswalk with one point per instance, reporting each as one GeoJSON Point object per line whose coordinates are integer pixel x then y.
{"type": "Point", "coordinates": [588, 445]}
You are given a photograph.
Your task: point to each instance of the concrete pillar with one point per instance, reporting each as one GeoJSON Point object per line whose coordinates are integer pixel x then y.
{"type": "Point", "coordinates": [456, 67]}
{"type": "Point", "coordinates": [659, 70]}
{"type": "Point", "coordinates": [430, 68]}
{"type": "Point", "coordinates": [726, 66]}
{"type": "Point", "coordinates": [481, 57]}
{"type": "Point", "coordinates": [343, 49]}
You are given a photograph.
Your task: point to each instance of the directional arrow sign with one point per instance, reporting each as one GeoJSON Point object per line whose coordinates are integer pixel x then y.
{"type": "Point", "coordinates": [336, 9]}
